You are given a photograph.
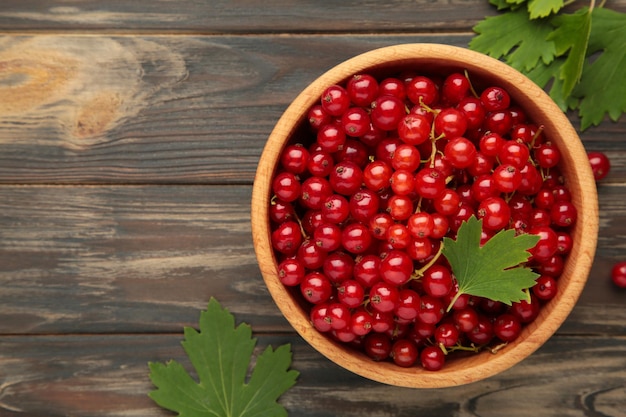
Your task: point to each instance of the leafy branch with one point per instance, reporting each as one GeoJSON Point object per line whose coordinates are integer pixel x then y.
{"type": "Point", "coordinates": [577, 57]}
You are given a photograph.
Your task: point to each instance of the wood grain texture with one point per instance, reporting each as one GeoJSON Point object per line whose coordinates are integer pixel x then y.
{"type": "Point", "coordinates": [108, 376]}
{"type": "Point", "coordinates": [242, 16]}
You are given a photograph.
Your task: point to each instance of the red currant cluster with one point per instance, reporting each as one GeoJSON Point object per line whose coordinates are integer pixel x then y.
{"type": "Point", "coordinates": [386, 168]}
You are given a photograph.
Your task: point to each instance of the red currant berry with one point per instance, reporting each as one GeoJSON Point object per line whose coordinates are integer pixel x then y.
{"type": "Point", "coordinates": [291, 272]}
{"type": "Point", "coordinates": [376, 175]}
{"type": "Point", "coordinates": [404, 353]}
{"type": "Point", "coordinates": [396, 268]}
{"type": "Point", "coordinates": [514, 153]}
{"type": "Point", "coordinates": [377, 346]}
{"type": "Point", "coordinates": [387, 112]}
{"type": "Point", "coordinates": [320, 163]}
{"type": "Point", "coordinates": [295, 158]}
{"type": "Point", "coordinates": [361, 322]}
{"type": "Point", "coordinates": [474, 112]}
{"type": "Point", "coordinates": [429, 182]}
{"type": "Point", "coordinates": [311, 255]}
{"type": "Point", "coordinates": [356, 238]}
{"type": "Point", "coordinates": [335, 209]}
{"type": "Point", "coordinates": [346, 178]}
{"type": "Point", "coordinates": [545, 288]}
{"type": "Point", "coordinates": [318, 117]}
{"type": "Point", "coordinates": [563, 213]}
{"type": "Point", "coordinates": [331, 137]}
{"type": "Point", "coordinates": [447, 334]}
{"type": "Point", "coordinates": [437, 281]}
{"type": "Point", "coordinates": [495, 98]}
{"type": "Point", "coordinates": [319, 317]}
{"type": "Point", "coordinates": [432, 358]}
{"type": "Point", "coordinates": [507, 327]}
{"type": "Point", "coordinates": [460, 151]}
{"type": "Point", "coordinates": [466, 319]}
{"type": "Point", "coordinates": [495, 213]}
{"type": "Point", "coordinates": [408, 304]}
{"type": "Point", "coordinates": [618, 274]}
{"type": "Point", "coordinates": [364, 205]}
{"type": "Point", "coordinates": [526, 311]}
{"type": "Point", "coordinates": [327, 237]}
{"type": "Point", "coordinates": [355, 121]}
{"type": "Point", "coordinates": [384, 297]}
{"type": "Point", "coordinates": [414, 129]}
{"type": "Point", "coordinates": [507, 178]}
{"type": "Point", "coordinates": [362, 89]}
{"type": "Point", "coordinates": [431, 310]}
{"type": "Point", "coordinates": [316, 288]}
{"type": "Point", "coordinates": [406, 157]}
{"type": "Point", "coordinates": [499, 122]}
{"type": "Point", "coordinates": [450, 123]}
{"type": "Point", "coordinates": [286, 186]}
{"type": "Point", "coordinates": [422, 90]}
{"type": "Point", "coordinates": [392, 87]}
{"type": "Point", "coordinates": [483, 332]}
{"type": "Point", "coordinates": [455, 87]}
{"type": "Point", "coordinates": [600, 164]}
{"type": "Point", "coordinates": [338, 266]}
{"type": "Point", "coordinates": [335, 100]}
{"type": "Point", "coordinates": [547, 155]}
{"type": "Point", "coordinates": [287, 238]}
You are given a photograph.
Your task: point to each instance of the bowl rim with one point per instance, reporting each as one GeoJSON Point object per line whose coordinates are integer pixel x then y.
{"type": "Point", "coordinates": [580, 180]}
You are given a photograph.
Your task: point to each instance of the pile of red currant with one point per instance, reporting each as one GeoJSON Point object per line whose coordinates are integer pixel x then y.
{"type": "Point", "coordinates": [384, 169]}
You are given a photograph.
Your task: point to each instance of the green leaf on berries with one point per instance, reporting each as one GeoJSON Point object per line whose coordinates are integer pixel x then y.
{"type": "Point", "coordinates": [513, 36]}
{"type": "Point", "coordinates": [220, 354]}
{"type": "Point", "coordinates": [494, 270]}
{"type": "Point", "coordinates": [602, 88]}
{"type": "Point", "coordinates": [544, 8]}
{"type": "Point", "coordinates": [571, 37]}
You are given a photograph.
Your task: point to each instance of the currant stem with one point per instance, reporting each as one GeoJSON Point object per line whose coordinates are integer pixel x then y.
{"type": "Point", "coordinates": [453, 301]}
{"type": "Point", "coordinates": [418, 273]}
{"type": "Point", "coordinates": [471, 85]}
{"type": "Point", "coordinates": [459, 346]}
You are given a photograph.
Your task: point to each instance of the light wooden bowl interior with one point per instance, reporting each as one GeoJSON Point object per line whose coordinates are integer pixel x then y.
{"type": "Point", "coordinates": [433, 59]}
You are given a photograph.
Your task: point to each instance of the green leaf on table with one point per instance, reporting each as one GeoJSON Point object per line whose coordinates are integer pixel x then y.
{"type": "Point", "coordinates": [602, 88]}
{"type": "Point", "coordinates": [544, 8]}
{"type": "Point", "coordinates": [547, 77]}
{"type": "Point", "coordinates": [220, 354]}
{"type": "Point", "coordinates": [571, 38]}
{"type": "Point", "coordinates": [513, 36]}
{"type": "Point", "coordinates": [493, 270]}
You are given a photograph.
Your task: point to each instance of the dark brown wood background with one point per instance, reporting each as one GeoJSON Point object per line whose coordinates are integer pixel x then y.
{"type": "Point", "coordinates": [129, 137]}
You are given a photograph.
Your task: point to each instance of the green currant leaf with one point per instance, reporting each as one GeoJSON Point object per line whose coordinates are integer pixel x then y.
{"type": "Point", "coordinates": [220, 354]}
{"type": "Point", "coordinates": [547, 77]}
{"type": "Point", "coordinates": [544, 8]}
{"type": "Point", "coordinates": [602, 87]}
{"type": "Point", "coordinates": [493, 270]}
{"type": "Point", "coordinates": [571, 37]}
{"type": "Point", "coordinates": [513, 36]}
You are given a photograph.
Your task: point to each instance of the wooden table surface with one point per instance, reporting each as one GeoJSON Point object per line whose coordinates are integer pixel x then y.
{"type": "Point", "coordinates": [130, 133]}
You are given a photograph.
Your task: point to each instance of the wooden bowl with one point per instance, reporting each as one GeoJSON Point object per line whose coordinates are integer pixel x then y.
{"type": "Point", "coordinates": [431, 58]}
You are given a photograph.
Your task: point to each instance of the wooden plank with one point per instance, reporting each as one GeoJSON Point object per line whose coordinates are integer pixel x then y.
{"type": "Point", "coordinates": [147, 258]}
{"type": "Point", "coordinates": [223, 16]}
{"type": "Point", "coordinates": [124, 259]}
{"type": "Point", "coordinates": [165, 109]}
{"type": "Point", "coordinates": [108, 376]}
